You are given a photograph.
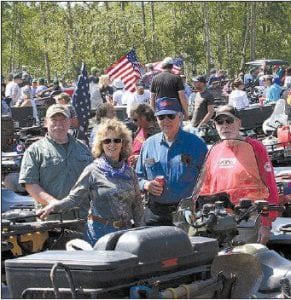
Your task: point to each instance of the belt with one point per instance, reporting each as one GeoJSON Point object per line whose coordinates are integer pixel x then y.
{"type": "Point", "coordinates": [115, 224]}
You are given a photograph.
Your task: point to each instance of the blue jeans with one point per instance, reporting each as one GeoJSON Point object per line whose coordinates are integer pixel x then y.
{"type": "Point", "coordinates": [94, 231]}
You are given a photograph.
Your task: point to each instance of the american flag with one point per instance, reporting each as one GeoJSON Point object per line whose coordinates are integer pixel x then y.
{"type": "Point", "coordinates": [128, 69]}
{"type": "Point", "coordinates": [177, 67]}
{"type": "Point", "coordinates": [81, 98]}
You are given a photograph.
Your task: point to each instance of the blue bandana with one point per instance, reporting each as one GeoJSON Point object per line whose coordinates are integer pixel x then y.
{"type": "Point", "coordinates": [110, 171]}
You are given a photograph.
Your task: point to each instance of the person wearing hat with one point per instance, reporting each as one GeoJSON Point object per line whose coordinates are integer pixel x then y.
{"type": "Point", "coordinates": [33, 87]}
{"type": "Point", "coordinates": [167, 84]}
{"type": "Point", "coordinates": [51, 166]}
{"type": "Point", "coordinates": [176, 155]}
{"type": "Point", "coordinates": [119, 92]}
{"type": "Point", "coordinates": [95, 95]}
{"type": "Point", "coordinates": [204, 102]}
{"type": "Point", "coordinates": [140, 96]}
{"type": "Point", "coordinates": [240, 167]}
{"type": "Point", "coordinates": [12, 90]}
{"type": "Point", "coordinates": [41, 87]}
{"type": "Point", "coordinates": [95, 73]}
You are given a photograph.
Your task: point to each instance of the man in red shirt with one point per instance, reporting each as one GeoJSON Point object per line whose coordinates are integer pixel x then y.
{"type": "Point", "coordinates": [241, 167]}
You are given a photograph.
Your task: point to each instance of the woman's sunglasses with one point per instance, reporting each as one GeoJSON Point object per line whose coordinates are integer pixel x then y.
{"type": "Point", "coordinates": [170, 116]}
{"type": "Point", "coordinates": [227, 121]}
{"type": "Point", "coordinates": [115, 141]}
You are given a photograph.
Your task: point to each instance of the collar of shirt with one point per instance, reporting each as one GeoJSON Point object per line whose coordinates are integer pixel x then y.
{"type": "Point", "coordinates": [176, 140]}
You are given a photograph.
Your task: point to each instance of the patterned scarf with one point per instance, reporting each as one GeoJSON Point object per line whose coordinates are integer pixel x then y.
{"type": "Point", "coordinates": [112, 169]}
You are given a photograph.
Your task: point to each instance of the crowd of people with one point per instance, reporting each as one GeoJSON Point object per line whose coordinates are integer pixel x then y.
{"type": "Point", "coordinates": [125, 179]}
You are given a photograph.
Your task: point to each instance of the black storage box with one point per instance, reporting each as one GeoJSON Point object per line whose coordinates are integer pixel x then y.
{"type": "Point", "coordinates": [254, 117]}
{"type": "Point", "coordinates": [23, 115]}
{"type": "Point", "coordinates": [89, 269]}
{"type": "Point", "coordinates": [120, 257]}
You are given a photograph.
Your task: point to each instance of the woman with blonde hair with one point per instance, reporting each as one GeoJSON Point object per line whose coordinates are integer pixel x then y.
{"type": "Point", "coordinates": [109, 184]}
{"type": "Point", "coordinates": [106, 90]}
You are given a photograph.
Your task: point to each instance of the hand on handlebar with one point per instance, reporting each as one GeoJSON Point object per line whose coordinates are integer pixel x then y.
{"type": "Point", "coordinates": [44, 212]}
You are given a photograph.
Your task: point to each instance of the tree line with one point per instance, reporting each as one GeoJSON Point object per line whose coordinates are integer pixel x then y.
{"type": "Point", "coordinates": [53, 38]}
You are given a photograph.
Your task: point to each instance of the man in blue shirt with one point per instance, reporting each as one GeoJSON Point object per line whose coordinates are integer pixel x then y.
{"type": "Point", "coordinates": [176, 155]}
{"type": "Point", "coordinates": [273, 93]}
{"type": "Point", "coordinates": [273, 89]}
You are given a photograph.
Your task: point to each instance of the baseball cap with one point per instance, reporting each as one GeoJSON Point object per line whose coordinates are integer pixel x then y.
{"type": "Point", "coordinates": [57, 109]}
{"type": "Point", "coordinates": [41, 80]}
{"type": "Point", "coordinates": [167, 61]}
{"type": "Point", "coordinates": [94, 69]}
{"type": "Point", "coordinates": [167, 105]}
{"type": "Point", "coordinates": [226, 110]}
{"type": "Point", "coordinates": [17, 76]}
{"type": "Point", "coordinates": [118, 83]}
{"type": "Point", "coordinates": [199, 78]}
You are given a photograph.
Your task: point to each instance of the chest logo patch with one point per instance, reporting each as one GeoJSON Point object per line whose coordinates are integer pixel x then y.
{"type": "Point", "coordinates": [226, 162]}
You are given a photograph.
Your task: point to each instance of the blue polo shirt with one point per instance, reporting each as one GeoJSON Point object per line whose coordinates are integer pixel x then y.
{"type": "Point", "coordinates": [179, 163]}
{"type": "Point", "coordinates": [273, 92]}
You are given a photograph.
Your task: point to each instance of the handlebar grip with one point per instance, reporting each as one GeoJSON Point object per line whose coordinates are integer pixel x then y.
{"type": "Point", "coordinates": [277, 208]}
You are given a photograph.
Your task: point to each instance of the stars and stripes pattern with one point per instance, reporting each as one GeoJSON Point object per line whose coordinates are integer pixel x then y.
{"type": "Point", "coordinates": [128, 69]}
{"type": "Point", "coordinates": [177, 67]}
{"type": "Point", "coordinates": [81, 98]}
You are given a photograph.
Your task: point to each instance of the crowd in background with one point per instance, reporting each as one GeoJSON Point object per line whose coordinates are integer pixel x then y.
{"type": "Point", "coordinates": [155, 146]}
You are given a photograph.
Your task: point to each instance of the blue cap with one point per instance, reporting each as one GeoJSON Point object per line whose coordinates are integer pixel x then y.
{"type": "Point", "coordinates": [166, 105]}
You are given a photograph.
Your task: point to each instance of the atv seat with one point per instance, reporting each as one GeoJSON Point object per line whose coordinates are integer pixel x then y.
{"type": "Point", "coordinates": [274, 266]}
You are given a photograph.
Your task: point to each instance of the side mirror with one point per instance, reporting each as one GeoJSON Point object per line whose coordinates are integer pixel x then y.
{"type": "Point", "coordinates": [188, 216]}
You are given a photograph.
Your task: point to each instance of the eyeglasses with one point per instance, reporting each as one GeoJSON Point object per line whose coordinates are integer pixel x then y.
{"type": "Point", "coordinates": [170, 116]}
{"type": "Point", "coordinates": [227, 121]}
{"type": "Point", "coordinates": [115, 141]}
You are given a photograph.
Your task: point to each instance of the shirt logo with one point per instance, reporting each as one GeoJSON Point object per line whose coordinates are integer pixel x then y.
{"type": "Point", "coordinates": [227, 162]}
{"type": "Point", "coordinates": [149, 161]}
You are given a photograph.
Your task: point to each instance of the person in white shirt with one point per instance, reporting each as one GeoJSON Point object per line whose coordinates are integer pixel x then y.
{"type": "Point", "coordinates": [12, 90]}
{"type": "Point", "coordinates": [140, 96]}
{"type": "Point", "coordinates": [95, 95]}
{"type": "Point", "coordinates": [119, 92]}
{"type": "Point", "coordinates": [238, 98]}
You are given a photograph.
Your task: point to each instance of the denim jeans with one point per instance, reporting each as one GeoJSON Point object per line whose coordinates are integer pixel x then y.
{"type": "Point", "coordinates": [95, 230]}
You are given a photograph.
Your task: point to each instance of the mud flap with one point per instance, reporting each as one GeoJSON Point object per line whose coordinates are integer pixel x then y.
{"type": "Point", "coordinates": [243, 272]}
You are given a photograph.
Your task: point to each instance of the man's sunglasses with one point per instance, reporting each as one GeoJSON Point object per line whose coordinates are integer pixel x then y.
{"type": "Point", "coordinates": [227, 121]}
{"type": "Point", "coordinates": [170, 116]}
{"type": "Point", "coordinates": [115, 141]}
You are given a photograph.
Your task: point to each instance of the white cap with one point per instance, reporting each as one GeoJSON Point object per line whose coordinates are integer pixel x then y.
{"type": "Point", "coordinates": [118, 83]}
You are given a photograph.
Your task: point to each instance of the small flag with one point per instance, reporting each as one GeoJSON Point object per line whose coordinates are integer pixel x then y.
{"type": "Point", "coordinates": [128, 69]}
{"type": "Point", "coordinates": [81, 99]}
{"type": "Point", "coordinates": [177, 67]}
